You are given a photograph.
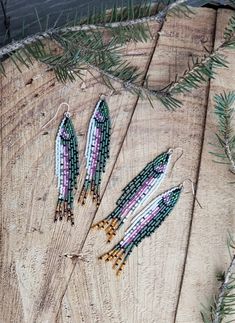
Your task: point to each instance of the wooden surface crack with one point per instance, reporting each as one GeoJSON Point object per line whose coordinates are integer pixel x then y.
{"type": "Point", "coordinates": [197, 179]}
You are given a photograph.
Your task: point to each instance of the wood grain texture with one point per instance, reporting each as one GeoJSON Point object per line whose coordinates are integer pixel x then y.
{"type": "Point", "coordinates": [34, 270]}
{"type": "Point", "coordinates": [148, 289]}
{"type": "Point", "coordinates": [169, 274]}
{"type": "Point", "coordinates": [208, 254]}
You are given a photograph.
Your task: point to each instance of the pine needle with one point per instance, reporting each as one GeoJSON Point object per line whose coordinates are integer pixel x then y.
{"type": "Point", "coordinates": [82, 46]}
{"type": "Point", "coordinates": [225, 137]}
{"type": "Point", "coordinates": [222, 307]}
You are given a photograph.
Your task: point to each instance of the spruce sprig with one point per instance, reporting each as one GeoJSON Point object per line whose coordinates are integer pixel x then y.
{"type": "Point", "coordinates": [222, 308]}
{"type": "Point", "coordinates": [202, 70]}
{"type": "Point", "coordinates": [83, 46]}
{"type": "Point", "coordinates": [108, 63]}
{"type": "Point", "coordinates": [224, 110]}
{"type": "Point", "coordinates": [229, 33]}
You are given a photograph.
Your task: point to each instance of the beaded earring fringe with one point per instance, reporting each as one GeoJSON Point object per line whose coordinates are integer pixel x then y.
{"type": "Point", "coordinates": [135, 193]}
{"type": "Point", "coordinates": [142, 225]}
{"type": "Point", "coordinates": [97, 151]}
{"type": "Point", "coordinates": [67, 168]}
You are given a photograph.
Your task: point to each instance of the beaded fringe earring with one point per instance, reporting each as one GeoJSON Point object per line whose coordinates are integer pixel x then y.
{"type": "Point", "coordinates": [97, 151]}
{"type": "Point", "coordinates": [135, 193]}
{"type": "Point", "coordinates": [66, 167]}
{"type": "Point", "coordinates": [143, 225]}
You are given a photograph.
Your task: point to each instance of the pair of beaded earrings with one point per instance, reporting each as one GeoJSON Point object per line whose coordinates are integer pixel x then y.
{"type": "Point", "coordinates": [67, 161]}
{"type": "Point", "coordinates": [149, 219]}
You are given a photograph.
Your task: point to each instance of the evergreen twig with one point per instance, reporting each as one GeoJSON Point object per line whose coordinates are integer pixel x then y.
{"type": "Point", "coordinates": [83, 47]}
{"type": "Point", "coordinates": [223, 307]}
{"type": "Point", "coordinates": [200, 72]}
{"type": "Point", "coordinates": [165, 97]}
{"type": "Point", "coordinates": [224, 110]}
{"type": "Point", "coordinates": [204, 69]}
{"type": "Point", "coordinates": [226, 298]}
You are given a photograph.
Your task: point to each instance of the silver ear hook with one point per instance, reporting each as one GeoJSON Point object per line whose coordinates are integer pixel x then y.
{"type": "Point", "coordinates": [67, 113]}
{"type": "Point", "coordinates": [192, 189]}
{"type": "Point", "coordinates": [171, 150]}
{"type": "Point", "coordinates": [181, 154]}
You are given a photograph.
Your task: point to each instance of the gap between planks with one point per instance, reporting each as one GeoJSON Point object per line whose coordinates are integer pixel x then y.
{"type": "Point", "coordinates": [1, 159]}
{"type": "Point", "coordinates": [197, 177]}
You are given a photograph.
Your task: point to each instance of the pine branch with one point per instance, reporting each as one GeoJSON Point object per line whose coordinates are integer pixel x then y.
{"type": "Point", "coordinates": [226, 297]}
{"type": "Point", "coordinates": [109, 64]}
{"type": "Point", "coordinates": [200, 72]}
{"type": "Point", "coordinates": [159, 17]}
{"type": "Point", "coordinates": [167, 100]}
{"type": "Point", "coordinates": [83, 46]}
{"type": "Point", "coordinates": [229, 33]}
{"type": "Point", "coordinates": [223, 306]}
{"type": "Point", "coordinates": [224, 110]}
{"type": "Point", "coordinates": [203, 70]}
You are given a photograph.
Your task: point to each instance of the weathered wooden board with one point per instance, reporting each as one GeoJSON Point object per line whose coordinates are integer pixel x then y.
{"type": "Point", "coordinates": [208, 254]}
{"type": "Point", "coordinates": [164, 281]}
{"type": "Point", "coordinates": [34, 270]}
{"type": "Point", "coordinates": [149, 287]}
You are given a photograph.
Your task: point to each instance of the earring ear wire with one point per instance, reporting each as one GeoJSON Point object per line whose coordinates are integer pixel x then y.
{"type": "Point", "coordinates": [171, 151]}
{"type": "Point", "coordinates": [66, 113]}
{"type": "Point", "coordinates": [192, 190]}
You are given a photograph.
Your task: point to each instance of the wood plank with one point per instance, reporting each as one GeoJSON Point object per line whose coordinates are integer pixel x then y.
{"type": "Point", "coordinates": [34, 270]}
{"type": "Point", "coordinates": [147, 290]}
{"type": "Point", "coordinates": [208, 254]}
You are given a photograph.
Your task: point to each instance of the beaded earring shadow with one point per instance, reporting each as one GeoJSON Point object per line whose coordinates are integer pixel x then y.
{"type": "Point", "coordinates": [135, 193]}
{"type": "Point", "coordinates": [66, 167]}
{"type": "Point", "coordinates": [143, 225]}
{"type": "Point", "coordinates": [97, 151]}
